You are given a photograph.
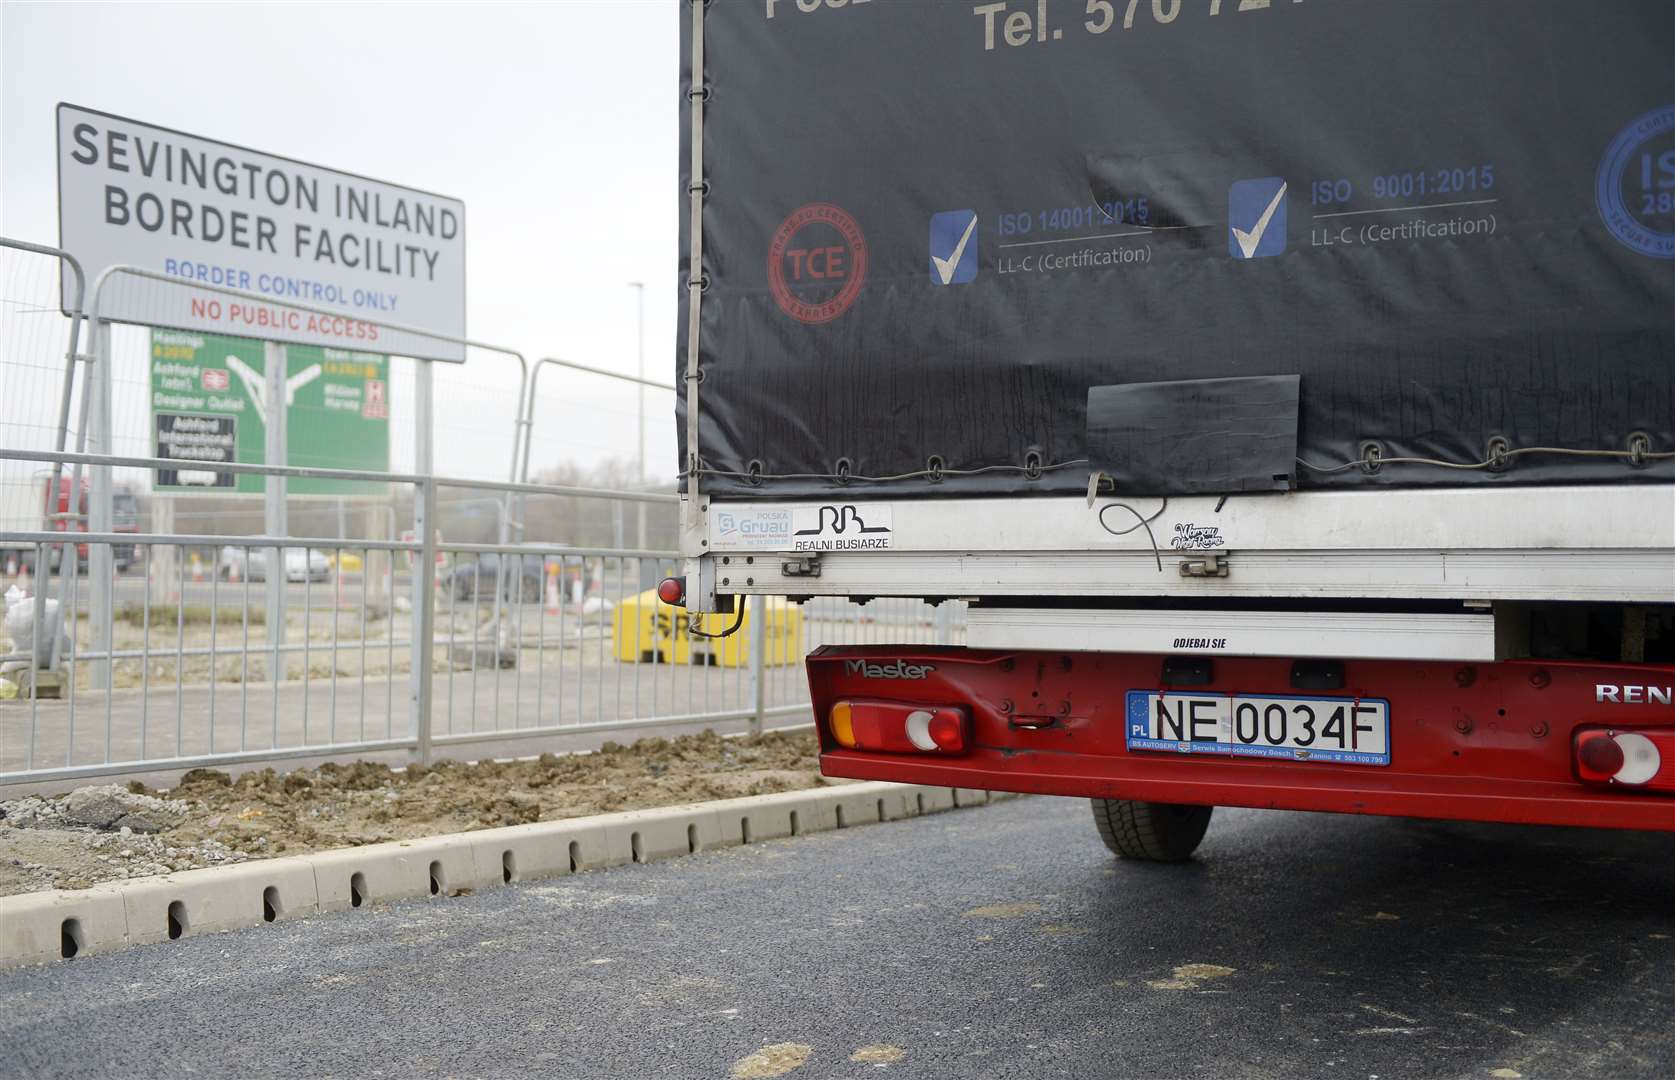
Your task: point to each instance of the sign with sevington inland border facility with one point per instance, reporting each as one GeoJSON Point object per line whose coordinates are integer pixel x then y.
{"type": "Point", "coordinates": [210, 405]}
{"type": "Point", "coordinates": [202, 211]}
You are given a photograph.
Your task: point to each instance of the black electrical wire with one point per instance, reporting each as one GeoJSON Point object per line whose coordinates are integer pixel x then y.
{"type": "Point", "coordinates": [738, 621]}
{"type": "Point", "coordinates": [1141, 523]}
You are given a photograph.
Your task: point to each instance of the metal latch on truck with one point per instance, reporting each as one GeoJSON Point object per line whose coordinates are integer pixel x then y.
{"type": "Point", "coordinates": [1210, 564]}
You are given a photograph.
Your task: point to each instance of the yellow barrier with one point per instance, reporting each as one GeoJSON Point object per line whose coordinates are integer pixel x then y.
{"type": "Point", "coordinates": [646, 630]}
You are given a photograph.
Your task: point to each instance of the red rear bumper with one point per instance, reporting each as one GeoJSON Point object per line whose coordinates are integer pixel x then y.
{"type": "Point", "coordinates": [1477, 742]}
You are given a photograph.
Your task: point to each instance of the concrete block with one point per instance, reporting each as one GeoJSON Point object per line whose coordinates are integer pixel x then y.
{"type": "Point", "coordinates": [898, 801]}
{"type": "Point", "coordinates": [39, 927]}
{"type": "Point", "coordinates": [756, 818]}
{"type": "Point", "coordinates": [663, 833]}
{"type": "Point", "coordinates": [379, 873]}
{"type": "Point", "coordinates": [931, 800]}
{"type": "Point", "coordinates": [964, 797]}
{"type": "Point", "coordinates": [851, 806]}
{"type": "Point", "coordinates": [864, 804]}
{"type": "Point", "coordinates": [541, 849]}
{"type": "Point", "coordinates": [218, 898]}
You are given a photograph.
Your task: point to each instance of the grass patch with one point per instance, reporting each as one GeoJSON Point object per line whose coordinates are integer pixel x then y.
{"type": "Point", "coordinates": [190, 615]}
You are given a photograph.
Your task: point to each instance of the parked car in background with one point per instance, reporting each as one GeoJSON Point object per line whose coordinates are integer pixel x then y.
{"type": "Point", "coordinates": [521, 576]}
{"type": "Point", "coordinates": [251, 564]}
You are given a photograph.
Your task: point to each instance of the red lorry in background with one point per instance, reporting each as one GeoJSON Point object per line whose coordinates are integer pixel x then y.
{"type": "Point", "coordinates": [35, 508]}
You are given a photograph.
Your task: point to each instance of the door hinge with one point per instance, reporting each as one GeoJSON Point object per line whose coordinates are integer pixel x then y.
{"type": "Point", "coordinates": [1207, 565]}
{"type": "Point", "coordinates": [802, 566]}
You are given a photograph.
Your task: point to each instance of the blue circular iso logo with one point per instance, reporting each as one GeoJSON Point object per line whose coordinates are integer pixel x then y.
{"type": "Point", "coordinates": [1635, 187]}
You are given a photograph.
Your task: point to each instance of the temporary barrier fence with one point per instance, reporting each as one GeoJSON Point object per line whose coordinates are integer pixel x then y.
{"type": "Point", "coordinates": [284, 645]}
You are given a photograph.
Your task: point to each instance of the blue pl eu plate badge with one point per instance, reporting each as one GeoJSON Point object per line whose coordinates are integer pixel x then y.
{"type": "Point", "coordinates": [953, 247]}
{"type": "Point", "coordinates": [1256, 218]}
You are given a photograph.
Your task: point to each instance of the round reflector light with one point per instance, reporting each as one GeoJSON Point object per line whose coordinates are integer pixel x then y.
{"type": "Point", "coordinates": [945, 731]}
{"type": "Point", "coordinates": [1600, 754]}
{"type": "Point", "coordinates": [672, 591]}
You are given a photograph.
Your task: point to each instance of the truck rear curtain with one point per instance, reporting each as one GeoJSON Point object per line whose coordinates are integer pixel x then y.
{"type": "Point", "coordinates": [930, 229]}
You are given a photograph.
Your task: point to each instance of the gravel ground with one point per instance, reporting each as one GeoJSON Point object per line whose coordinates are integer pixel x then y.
{"type": "Point", "coordinates": [106, 833]}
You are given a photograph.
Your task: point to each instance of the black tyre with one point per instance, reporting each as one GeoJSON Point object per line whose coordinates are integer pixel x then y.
{"type": "Point", "coordinates": [1156, 832]}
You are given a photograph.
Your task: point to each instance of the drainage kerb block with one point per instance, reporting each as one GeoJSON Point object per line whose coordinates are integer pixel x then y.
{"type": "Point", "coordinates": [219, 898]}
{"type": "Point", "coordinates": [931, 800]}
{"type": "Point", "coordinates": [378, 873]}
{"type": "Point", "coordinates": [541, 849]}
{"type": "Point", "coordinates": [866, 804]}
{"type": "Point", "coordinates": [663, 833]}
{"type": "Point", "coordinates": [38, 927]}
{"type": "Point", "coordinates": [756, 818]}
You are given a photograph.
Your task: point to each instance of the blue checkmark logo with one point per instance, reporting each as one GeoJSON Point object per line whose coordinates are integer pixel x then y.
{"type": "Point", "coordinates": [1256, 218]}
{"type": "Point", "coordinates": [953, 247]}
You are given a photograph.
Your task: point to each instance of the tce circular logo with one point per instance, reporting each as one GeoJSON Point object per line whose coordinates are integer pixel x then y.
{"type": "Point", "coordinates": [817, 262]}
{"type": "Point", "coordinates": [1635, 186]}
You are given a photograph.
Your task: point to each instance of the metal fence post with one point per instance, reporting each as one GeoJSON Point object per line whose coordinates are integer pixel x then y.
{"type": "Point", "coordinates": [758, 662]}
{"type": "Point", "coordinates": [424, 617]}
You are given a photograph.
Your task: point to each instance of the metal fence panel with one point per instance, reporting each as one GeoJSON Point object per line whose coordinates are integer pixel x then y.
{"type": "Point", "coordinates": [460, 612]}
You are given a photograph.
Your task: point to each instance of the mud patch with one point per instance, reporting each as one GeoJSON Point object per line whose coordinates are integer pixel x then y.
{"type": "Point", "coordinates": [1190, 977]}
{"type": "Point", "coordinates": [775, 1060]}
{"type": "Point", "coordinates": [1003, 911]}
{"type": "Point", "coordinates": [878, 1054]}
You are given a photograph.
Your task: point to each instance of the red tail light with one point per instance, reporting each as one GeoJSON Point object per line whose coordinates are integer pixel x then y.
{"type": "Point", "coordinates": [898, 727]}
{"type": "Point", "coordinates": [1633, 759]}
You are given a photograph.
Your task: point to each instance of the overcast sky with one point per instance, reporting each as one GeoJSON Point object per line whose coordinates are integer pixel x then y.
{"type": "Point", "coordinates": [556, 124]}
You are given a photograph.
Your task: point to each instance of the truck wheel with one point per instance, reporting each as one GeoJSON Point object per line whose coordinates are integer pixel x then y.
{"type": "Point", "coordinates": [1155, 832]}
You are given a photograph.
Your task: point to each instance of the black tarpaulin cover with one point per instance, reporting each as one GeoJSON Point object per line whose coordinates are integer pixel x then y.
{"type": "Point", "coordinates": [932, 227]}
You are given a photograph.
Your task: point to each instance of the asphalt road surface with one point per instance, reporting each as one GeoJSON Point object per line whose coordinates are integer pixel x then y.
{"type": "Point", "coordinates": [996, 942]}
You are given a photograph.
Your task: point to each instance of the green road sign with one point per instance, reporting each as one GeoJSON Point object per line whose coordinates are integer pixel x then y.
{"type": "Point", "coordinates": [209, 404]}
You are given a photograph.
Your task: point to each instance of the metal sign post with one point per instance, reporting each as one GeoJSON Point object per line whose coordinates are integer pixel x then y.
{"type": "Point", "coordinates": [100, 565]}
{"type": "Point", "coordinates": [423, 575]}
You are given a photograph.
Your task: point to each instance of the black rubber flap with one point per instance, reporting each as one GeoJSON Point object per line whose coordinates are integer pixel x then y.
{"type": "Point", "coordinates": [1196, 436]}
